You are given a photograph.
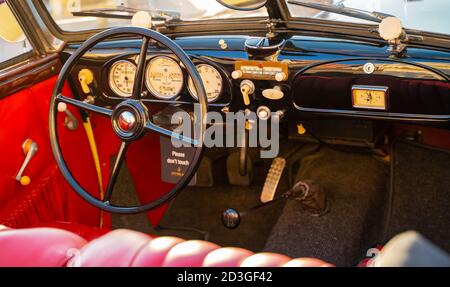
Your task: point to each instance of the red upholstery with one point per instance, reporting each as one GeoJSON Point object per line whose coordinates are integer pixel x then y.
{"type": "Point", "coordinates": [37, 247]}
{"type": "Point", "coordinates": [87, 232]}
{"type": "Point", "coordinates": [124, 248]}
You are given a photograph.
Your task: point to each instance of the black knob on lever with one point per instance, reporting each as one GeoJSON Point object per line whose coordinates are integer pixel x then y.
{"type": "Point", "coordinates": [308, 193]}
{"type": "Point", "coordinates": [231, 218]}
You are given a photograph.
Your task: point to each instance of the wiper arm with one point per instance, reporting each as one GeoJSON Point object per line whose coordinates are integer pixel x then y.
{"type": "Point", "coordinates": [342, 10]}
{"type": "Point", "coordinates": [123, 12]}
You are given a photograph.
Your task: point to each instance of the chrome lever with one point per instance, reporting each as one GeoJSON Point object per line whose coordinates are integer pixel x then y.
{"type": "Point", "coordinates": [70, 121]}
{"type": "Point", "coordinates": [30, 148]}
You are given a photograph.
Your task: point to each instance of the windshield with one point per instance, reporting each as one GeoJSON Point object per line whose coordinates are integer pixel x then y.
{"type": "Point", "coordinates": [62, 11]}
{"type": "Point", "coordinates": [424, 15]}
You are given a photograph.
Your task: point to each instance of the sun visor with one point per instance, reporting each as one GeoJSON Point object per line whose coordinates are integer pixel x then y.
{"type": "Point", "coordinates": [11, 32]}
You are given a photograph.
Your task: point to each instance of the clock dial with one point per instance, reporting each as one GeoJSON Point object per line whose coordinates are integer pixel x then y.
{"type": "Point", "coordinates": [369, 97]}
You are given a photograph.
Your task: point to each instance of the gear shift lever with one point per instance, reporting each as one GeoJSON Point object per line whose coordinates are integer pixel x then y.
{"type": "Point", "coordinates": [310, 194]}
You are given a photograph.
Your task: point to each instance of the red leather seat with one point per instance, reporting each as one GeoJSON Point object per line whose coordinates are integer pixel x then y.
{"type": "Point", "coordinates": [46, 246]}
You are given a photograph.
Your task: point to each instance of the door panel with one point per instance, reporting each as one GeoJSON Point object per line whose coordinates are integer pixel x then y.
{"type": "Point", "coordinates": [48, 198]}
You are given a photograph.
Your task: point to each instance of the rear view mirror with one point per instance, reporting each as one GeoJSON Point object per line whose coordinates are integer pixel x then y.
{"type": "Point", "coordinates": [243, 5]}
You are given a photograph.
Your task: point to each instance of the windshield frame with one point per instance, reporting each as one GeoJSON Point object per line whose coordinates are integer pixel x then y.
{"type": "Point", "coordinates": [357, 29]}
{"type": "Point", "coordinates": [82, 35]}
{"type": "Point", "coordinates": [277, 9]}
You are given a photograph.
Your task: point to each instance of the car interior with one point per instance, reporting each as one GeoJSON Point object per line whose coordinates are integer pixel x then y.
{"type": "Point", "coordinates": [357, 115]}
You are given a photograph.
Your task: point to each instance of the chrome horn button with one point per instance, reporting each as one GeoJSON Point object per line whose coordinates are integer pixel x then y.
{"type": "Point", "coordinates": [129, 119]}
{"type": "Point", "coordinates": [126, 121]}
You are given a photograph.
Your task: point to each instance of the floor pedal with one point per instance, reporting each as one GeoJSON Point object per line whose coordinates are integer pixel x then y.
{"type": "Point", "coordinates": [234, 176]}
{"type": "Point", "coordinates": [272, 179]}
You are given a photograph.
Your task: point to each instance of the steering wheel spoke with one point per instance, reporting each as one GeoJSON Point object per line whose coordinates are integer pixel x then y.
{"type": "Point", "coordinates": [150, 126]}
{"type": "Point", "coordinates": [116, 170]}
{"type": "Point", "coordinates": [140, 70]}
{"type": "Point", "coordinates": [84, 106]}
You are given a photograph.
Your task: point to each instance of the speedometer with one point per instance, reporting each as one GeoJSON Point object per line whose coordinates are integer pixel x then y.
{"type": "Point", "coordinates": [121, 78]}
{"type": "Point", "coordinates": [212, 81]}
{"type": "Point", "coordinates": [164, 77]}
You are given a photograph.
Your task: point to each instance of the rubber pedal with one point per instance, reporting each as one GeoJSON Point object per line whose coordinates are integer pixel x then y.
{"type": "Point", "coordinates": [272, 179]}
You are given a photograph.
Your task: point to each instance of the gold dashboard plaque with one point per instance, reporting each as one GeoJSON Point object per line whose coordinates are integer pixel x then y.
{"type": "Point", "coordinates": [370, 97]}
{"type": "Point", "coordinates": [261, 70]}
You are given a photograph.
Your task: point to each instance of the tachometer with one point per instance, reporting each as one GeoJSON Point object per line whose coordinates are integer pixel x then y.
{"type": "Point", "coordinates": [164, 77]}
{"type": "Point", "coordinates": [121, 78]}
{"type": "Point", "coordinates": [212, 81]}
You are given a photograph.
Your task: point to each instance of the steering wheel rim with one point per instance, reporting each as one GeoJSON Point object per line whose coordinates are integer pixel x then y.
{"type": "Point", "coordinates": [57, 97]}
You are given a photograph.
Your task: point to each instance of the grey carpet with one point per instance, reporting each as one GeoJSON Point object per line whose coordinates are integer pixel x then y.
{"type": "Point", "coordinates": [421, 192]}
{"type": "Point", "coordinates": [356, 186]}
{"type": "Point", "coordinates": [201, 208]}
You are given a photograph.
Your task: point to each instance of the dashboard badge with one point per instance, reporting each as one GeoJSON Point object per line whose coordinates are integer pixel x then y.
{"type": "Point", "coordinates": [369, 68]}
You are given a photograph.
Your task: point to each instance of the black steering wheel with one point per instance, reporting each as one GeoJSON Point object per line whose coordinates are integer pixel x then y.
{"type": "Point", "coordinates": [130, 119]}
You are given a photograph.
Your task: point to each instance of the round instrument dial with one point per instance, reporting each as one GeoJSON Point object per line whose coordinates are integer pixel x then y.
{"type": "Point", "coordinates": [212, 81]}
{"type": "Point", "coordinates": [121, 78]}
{"type": "Point", "coordinates": [164, 77]}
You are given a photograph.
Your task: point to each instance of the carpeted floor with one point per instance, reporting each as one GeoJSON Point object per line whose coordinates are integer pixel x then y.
{"type": "Point", "coordinates": [356, 186]}
{"type": "Point", "coordinates": [201, 208]}
{"type": "Point", "coordinates": [421, 192]}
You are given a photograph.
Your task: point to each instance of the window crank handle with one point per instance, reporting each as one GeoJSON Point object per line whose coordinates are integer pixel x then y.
{"type": "Point", "coordinates": [30, 148]}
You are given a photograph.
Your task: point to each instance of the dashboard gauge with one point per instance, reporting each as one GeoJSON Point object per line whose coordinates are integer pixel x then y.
{"type": "Point", "coordinates": [121, 78]}
{"type": "Point", "coordinates": [164, 77]}
{"type": "Point", "coordinates": [212, 81]}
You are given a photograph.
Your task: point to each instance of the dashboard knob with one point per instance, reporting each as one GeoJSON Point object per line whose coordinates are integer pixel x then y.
{"type": "Point", "coordinates": [273, 94]}
{"type": "Point", "coordinates": [236, 74]}
{"type": "Point", "coordinates": [280, 77]}
{"type": "Point", "coordinates": [263, 113]}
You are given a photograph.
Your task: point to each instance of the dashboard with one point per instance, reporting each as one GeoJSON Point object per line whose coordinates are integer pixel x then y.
{"type": "Point", "coordinates": [313, 76]}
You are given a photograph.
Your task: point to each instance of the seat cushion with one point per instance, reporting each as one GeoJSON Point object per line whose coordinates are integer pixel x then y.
{"type": "Point", "coordinates": [87, 232]}
{"type": "Point", "coordinates": [37, 247]}
{"type": "Point", "coordinates": [46, 246]}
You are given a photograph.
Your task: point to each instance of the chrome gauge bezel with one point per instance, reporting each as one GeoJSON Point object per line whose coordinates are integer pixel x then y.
{"type": "Point", "coordinates": [191, 87]}
{"type": "Point", "coordinates": [151, 88]}
{"type": "Point", "coordinates": [111, 82]}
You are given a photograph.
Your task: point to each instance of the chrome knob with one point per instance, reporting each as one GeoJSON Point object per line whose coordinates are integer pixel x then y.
{"type": "Point", "coordinates": [280, 77]}
{"type": "Point", "coordinates": [237, 74]}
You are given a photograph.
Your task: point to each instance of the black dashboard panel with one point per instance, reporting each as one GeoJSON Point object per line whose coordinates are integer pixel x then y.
{"type": "Point", "coordinates": [414, 91]}
{"type": "Point", "coordinates": [322, 72]}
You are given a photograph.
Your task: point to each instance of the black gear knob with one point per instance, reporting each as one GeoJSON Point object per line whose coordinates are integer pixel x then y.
{"type": "Point", "coordinates": [231, 218]}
